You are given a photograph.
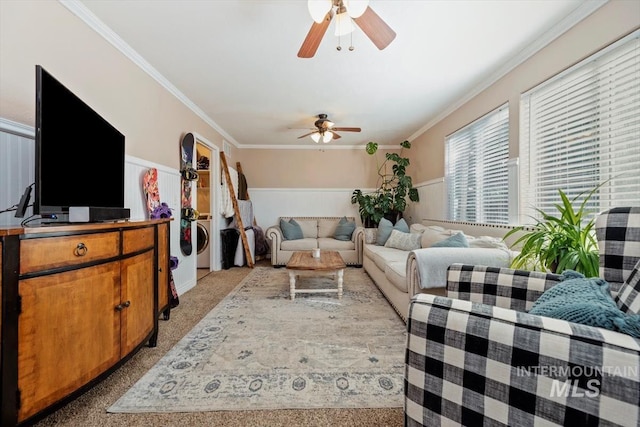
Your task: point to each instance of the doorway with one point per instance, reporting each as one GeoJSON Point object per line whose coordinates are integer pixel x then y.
{"type": "Point", "coordinates": [207, 241]}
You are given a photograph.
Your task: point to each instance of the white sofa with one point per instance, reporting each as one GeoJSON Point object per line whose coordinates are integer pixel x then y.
{"type": "Point", "coordinates": [400, 274]}
{"type": "Point", "coordinates": [317, 233]}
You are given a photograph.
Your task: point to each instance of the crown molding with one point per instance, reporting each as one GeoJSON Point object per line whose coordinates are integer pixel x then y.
{"type": "Point", "coordinates": [585, 9]}
{"type": "Point", "coordinates": [82, 12]}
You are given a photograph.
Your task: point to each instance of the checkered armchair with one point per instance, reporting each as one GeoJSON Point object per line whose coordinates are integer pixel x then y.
{"type": "Point", "coordinates": [478, 358]}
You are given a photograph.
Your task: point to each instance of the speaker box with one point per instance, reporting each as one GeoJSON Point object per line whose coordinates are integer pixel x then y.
{"type": "Point", "coordinates": [97, 214]}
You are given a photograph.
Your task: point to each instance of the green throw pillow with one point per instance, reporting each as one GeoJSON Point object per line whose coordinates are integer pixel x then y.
{"type": "Point", "coordinates": [587, 301]}
{"type": "Point", "coordinates": [291, 230]}
{"type": "Point", "coordinates": [458, 240]}
{"type": "Point", "coordinates": [344, 229]}
{"type": "Point", "coordinates": [385, 228]}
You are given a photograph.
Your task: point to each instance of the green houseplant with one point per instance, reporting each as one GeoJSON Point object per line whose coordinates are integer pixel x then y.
{"type": "Point", "coordinates": [564, 241]}
{"type": "Point", "coordinates": [394, 186]}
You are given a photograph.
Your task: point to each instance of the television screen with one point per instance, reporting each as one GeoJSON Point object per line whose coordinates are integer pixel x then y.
{"type": "Point", "coordinates": [79, 155]}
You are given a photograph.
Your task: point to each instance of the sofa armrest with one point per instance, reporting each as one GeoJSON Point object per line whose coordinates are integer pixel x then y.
{"type": "Point", "coordinates": [274, 234]}
{"type": "Point", "coordinates": [427, 267]}
{"type": "Point", "coordinates": [358, 239]}
{"type": "Point", "coordinates": [502, 287]}
{"type": "Point", "coordinates": [474, 364]}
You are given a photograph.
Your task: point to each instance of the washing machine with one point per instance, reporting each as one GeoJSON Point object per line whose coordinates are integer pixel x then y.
{"type": "Point", "coordinates": [203, 238]}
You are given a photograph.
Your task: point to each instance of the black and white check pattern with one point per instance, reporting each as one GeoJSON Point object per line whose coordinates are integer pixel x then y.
{"type": "Point", "coordinates": [618, 233]}
{"type": "Point", "coordinates": [628, 299]}
{"type": "Point", "coordinates": [473, 364]}
{"type": "Point", "coordinates": [502, 287]}
{"type": "Point", "coordinates": [478, 358]}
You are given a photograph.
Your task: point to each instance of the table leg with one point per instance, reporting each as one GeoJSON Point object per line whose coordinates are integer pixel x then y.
{"type": "Point", "coordinates": [340, 275]}
{"type": "Point", "coordinates": [292, 284]}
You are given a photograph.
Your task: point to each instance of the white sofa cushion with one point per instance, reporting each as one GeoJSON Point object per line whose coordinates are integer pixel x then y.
{"type": "Point", "coordinates": [330, 243]}
{"type": "Point", "coordinates": [299, 245]}
{"type": "Point", "coordinates": [382, 256]}
{"type": "Point", "coordinates": [309, 227]}
{"type": "Point", "coordinates": [327, 227]}
{"type": "Point", "coordinates": [396, 273]}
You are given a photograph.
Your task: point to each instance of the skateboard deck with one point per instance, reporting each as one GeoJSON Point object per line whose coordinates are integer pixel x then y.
{"type": "Point", "coordinates": [189, 174]}
{"type": "Point", "coordinates": [150, 187]}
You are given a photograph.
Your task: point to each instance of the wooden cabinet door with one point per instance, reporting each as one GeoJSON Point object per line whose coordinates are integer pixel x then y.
{"type": "Point", "coordinates": [138, 311]}
{"type": "Point", "coordinates": [68, 333]}
{"type": "Point", "coordinates": [163, 266]}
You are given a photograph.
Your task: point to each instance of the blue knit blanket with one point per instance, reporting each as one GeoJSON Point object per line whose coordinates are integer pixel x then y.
{"type": "Point", "coordinates": [587, 301]}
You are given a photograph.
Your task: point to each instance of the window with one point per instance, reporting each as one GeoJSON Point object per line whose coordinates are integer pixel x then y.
{"type": "Point", "coordinates": [476, 170]}
{"type": "Point", "coordinates": [582, 128]}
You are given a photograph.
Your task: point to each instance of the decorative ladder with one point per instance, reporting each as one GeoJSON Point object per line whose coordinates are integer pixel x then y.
{"type": "Point", "coordinates": [234, 202]}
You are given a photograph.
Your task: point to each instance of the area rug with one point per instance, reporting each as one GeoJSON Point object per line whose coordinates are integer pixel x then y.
{"type": "Point", "coordinates": [258, 349]}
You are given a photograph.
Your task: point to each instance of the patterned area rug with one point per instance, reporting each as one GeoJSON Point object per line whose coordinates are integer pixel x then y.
{"type": "Point", "coordinates": [257, 349]}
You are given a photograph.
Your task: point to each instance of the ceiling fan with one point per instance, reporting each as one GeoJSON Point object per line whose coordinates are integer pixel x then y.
{"type": "Point", "coordinates": [346, 11]}
{"type": "Point", "coordinates": [326, 130]}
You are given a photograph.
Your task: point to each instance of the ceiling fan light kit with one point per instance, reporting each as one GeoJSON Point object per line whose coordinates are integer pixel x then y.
{"type": "Point", "coordinates": [346, 12]}
{"type": "Point", "coordinates": [326, 131]}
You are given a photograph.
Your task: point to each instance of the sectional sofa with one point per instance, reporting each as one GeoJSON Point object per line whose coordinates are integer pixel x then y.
{"type": "Point", "coordinates": [401, 274]}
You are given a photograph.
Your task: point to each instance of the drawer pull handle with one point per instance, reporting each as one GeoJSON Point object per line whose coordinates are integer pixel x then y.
{"type": "Point", "coordinates": [122, 306]}
{"type": "Point", "coordinates": [81, 249]}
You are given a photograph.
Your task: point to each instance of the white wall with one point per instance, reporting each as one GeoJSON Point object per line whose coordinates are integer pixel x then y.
{"type": "Point", "coordinates": [271, 203]}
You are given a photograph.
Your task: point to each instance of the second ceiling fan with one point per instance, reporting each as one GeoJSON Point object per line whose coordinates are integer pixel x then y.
{"type": "Point", "coordinates": [326, 130]}
{"type": "Point", "coordinates": [322, 12]}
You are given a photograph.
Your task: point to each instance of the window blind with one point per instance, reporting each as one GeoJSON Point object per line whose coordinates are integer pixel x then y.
{"type": "Point", "coordinates": [581, 129]}
{"type": "Point", "coordinates": [476, 170]}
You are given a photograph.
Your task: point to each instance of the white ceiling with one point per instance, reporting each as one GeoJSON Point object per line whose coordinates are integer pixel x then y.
{"type": "Point", "coordinates": [235, 61]}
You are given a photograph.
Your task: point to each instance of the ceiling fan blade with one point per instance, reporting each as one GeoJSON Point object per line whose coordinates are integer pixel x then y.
{"type": "Point", "coordinates": [307, 134]}
{"type": "Point", "coordinates": [314, 37]}
{"type": "Point", "coordinates": [335, 135]}
{"type": "Point", "coordinates": [375, 28]}
{"type": "Point", "coordinates": [343, 129]}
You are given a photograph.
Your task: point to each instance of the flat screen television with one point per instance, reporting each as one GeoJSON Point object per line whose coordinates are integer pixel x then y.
{"type": "Point", "coordinates": [79, 156]}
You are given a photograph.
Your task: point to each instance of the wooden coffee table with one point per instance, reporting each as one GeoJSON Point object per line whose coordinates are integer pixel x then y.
{"type": "Point", "coordinates": [302, 263]}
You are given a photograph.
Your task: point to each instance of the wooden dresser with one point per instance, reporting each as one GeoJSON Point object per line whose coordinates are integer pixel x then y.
{"type": "Point", "coordinates": [77, 302]}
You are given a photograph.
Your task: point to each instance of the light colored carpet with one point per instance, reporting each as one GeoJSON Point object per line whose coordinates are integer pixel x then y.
{"type": "Point", "coordinates": [257, 349]}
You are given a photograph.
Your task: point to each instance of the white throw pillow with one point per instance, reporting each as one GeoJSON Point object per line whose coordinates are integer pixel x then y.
{"type": "Point", "coordinates": [403, 241]}
{"type": "Point", "coordinates": [487, 242]}
{"type": "Point", "coordinates": [433, 235]}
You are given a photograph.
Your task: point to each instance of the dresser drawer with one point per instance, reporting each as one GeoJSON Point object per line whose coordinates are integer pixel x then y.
{"type": "Point", "coordinates": [53, 252]}
{"type": "Point", "coordinates": [138, 239]}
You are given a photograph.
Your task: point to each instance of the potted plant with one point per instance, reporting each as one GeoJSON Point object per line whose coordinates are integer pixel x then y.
{"type": "Point", "coordinates": [394, 186]}
{"type": "Point", "coordinates": [562, 242]}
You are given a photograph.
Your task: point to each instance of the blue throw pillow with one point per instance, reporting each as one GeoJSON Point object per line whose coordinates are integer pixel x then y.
{"type": "Point", "coordinates": [587, 301]}
{"type": "Point", "coordinates": [291, 230]}
{"type": "Point", "coordinates": [458, 240]}
{"type": "Point", "coordinates": [385, 228]}
{"type": "Point", "coordinates": [344, 229]}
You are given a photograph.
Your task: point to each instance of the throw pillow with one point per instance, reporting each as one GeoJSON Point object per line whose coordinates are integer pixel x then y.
{"type": "Point", "coordinates": [344, 229]}
{"type": "Point", "coordinates": [384, 231]}
{"type": "Point", "coordinates": [403, 241]}
{"type": "Point", "coordinates": [587, 301]}
{"type": "Point", "coordinates": [385, 227]}
{"type": "Point", "coordinates": [458, 240]}
{"type": "Point", "coordinates": [290, 230]}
